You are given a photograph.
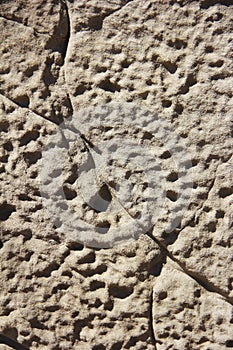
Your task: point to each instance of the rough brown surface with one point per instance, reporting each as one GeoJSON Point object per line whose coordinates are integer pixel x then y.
{"type": "Point", "coordinates": [165, 290]}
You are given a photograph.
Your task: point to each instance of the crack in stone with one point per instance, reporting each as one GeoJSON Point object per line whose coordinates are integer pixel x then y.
{"type": "Point", "coordinates": [103, 17]}
{"type": "Point", "coordinates": [202, 281]}
{"type": "Point", "coordinates": [29, 109]}
{"type": "Point", "coordinates": [12, 343]}
{"type": "Point", "coordinates": [151, 328]}
{"type": "Point", "coordinates": [67, 40]}
{"type": "Point", "coordinates": [114, 11]}
{"type": "Point", "coordinates": [200, 208]}
{"type": "Point", "coordinates": [88, 144]}
{"type": "Point", "coordinates": [35, 31]}
{"type": "Point", "coordinates": [16, 21]}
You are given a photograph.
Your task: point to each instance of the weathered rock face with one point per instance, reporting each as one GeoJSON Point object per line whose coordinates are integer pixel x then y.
{"type": "Point", "coordinates": [165, 290]}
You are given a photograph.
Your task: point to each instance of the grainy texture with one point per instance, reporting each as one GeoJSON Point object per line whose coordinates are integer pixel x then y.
{"type": "Point", "coordinates": [165, 290]}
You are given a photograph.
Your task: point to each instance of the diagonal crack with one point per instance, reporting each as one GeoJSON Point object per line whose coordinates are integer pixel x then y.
{"type": "Point", "coordinates": [98, 24]}
{"type": "Point", "coordinates": [201, 206]}
{"type": "Point", "coordinates": [29, 109]}
{"type": "Point", "coordinates": [207, 285]}
{"type": "Point", "coordinates": [15, 20]}
{"type": "Point", "coordinates": [116, 10]}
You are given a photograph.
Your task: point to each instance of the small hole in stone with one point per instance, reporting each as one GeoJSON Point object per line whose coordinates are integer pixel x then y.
{"type": "Point", "coordinates": [217, 63]}
{"type": "Point", "coordinates": [219, 321]}
{"type": "Point", "coordinates": [203, 339]}
{"type": "Point", "coordinates": [219, 214]}
{"type": "Point", "coordinates": [73, 175]}
{"type": "Point", "coordinates": [113, 185]}
{"type": "Point", "coordinates": [103, 226]}
{"type": "Point", "coordinates": [6, 210]}
{"type": "Point", "coordinates": [172, 176]}
{"type": "Point", "coordinates": [95, 22]}
{"type": "Point", "coordinates": [107, 85]}
{"type": "Point", "coordinates": [8, 146]}
{"type": "Point", "coordinates": [80, 90]}
{"type": "Point", "coordinates": [225, 192]}
{"type": "Point", "coordinates": [75, 246]}
{"type": "Point", "coordinates": [29, 136]}
{"type": "Point", "coordinates": [69, 193]}
{"type": "Point", "coordinates": [24, 197]}
{"type": "Point", "coordinates": [177, 43]}
{"type": "Point", "coordinates": [162, 295]}
{"type": "Point", "coordinates": [175, 335]}
{"type": "Point", "coordinates": [4, 125]}
{"type": "Point", "coordinates": [209, 49]}
{"type": "Point", "coordinates": [165, 155]}
{"type": "Point", "coordinates": [147, 136]}
{"type": "Point", "coordinates": [4, 159]}
{"type": "Point", "coordinates": [120, 292]}
{"type": "Point", "coordinates": [74, 314]}
{"type": "Point", "coordinates": [108, 305]}
{"type": "Point", "coordinates": [128, 174]}
{"type": "Point", "coordinates": [88, 259]}
{"type": "Point", "coordinates": [149, 82]}
{"type": "Point", "coordinates": [105, 193]}
{"type": "Point", "coordinates": [30, 70]}
{"type": "Point", "coordinates": [178, 108]}
{"type": "Point", "coordinates": [125, 64]}
{"type": "Point", "coordinates": [208, 243]}
{"type": "Point", "coordinates": [172, 195]}
{"type": "Point", "coordinates": [101, 69]}
{"type": "Point", "coordinates": [22, 101]}
{"type": "Point", "coordinates": [206, 209]}
{"type": "Point", "coordinates": [32, 157]}
{"type": "Point", "coordinates": [194, 162]}
{"type": "Point", "coordinates": [212, 226]}
{"type": "Point", "coordinates": [155, 269]}
{"type": "Point", "coordinates": [166, 103]}
{"type": "Point", "coordinates": [171, 67]}
{"type": "Point", "coordinates": [197, 293]}
{"type": "Point", "coordinates": [96, 285]}
{"type": "Point", "coordinates": [229, 343]}
{"type": "Point", "coordinates": [188, 328]}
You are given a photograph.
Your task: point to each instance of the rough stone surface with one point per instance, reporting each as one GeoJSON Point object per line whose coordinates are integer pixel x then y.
{"type": "Point", "coordinates": [166, 290]}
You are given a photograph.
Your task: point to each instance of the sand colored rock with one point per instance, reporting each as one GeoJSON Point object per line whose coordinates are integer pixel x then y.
{"type": "Point", "coordinates": [165, 290]}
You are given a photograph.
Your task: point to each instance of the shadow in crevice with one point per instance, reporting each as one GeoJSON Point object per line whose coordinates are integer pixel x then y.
{"type": "Point", "coordinates": [11, 343]}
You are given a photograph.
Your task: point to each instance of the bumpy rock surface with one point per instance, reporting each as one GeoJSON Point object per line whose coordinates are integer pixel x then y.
{"type": "Point", "coordinates": [165, 290]}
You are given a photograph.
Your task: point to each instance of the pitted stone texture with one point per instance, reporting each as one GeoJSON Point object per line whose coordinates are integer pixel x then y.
{"type": "Point", "coordinates": [55, 292]}
{"type": "Point", "coordinates": [135, 154]}
{"type": "Point", "coordinates": [173, 57]}
{"type": "Point", "coordinates": [34, 36]}
{"type": "Point", "coordinates": [176, 57]}
{"type": "Point", "coordinates": [187, 316]}
{"type": "Point", "coordinates": [209, 249]}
